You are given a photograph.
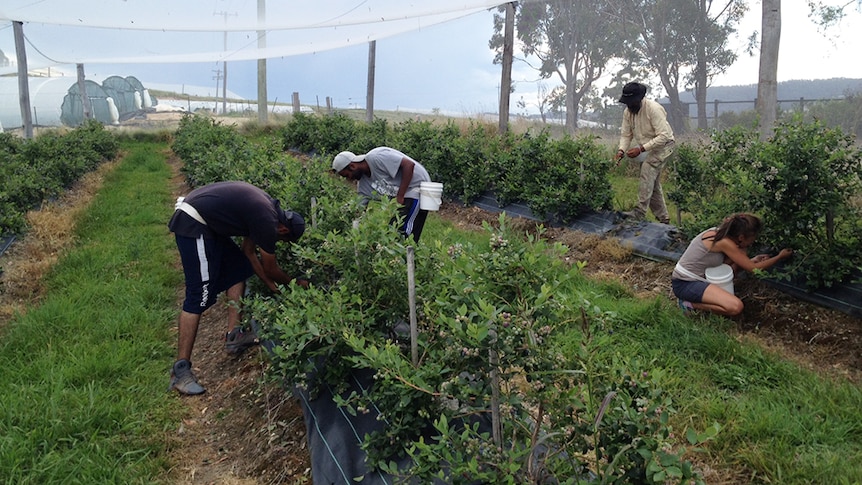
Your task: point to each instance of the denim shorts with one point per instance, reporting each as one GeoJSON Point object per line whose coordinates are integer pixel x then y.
{"type": "Point", "coordinates": [691, 291]}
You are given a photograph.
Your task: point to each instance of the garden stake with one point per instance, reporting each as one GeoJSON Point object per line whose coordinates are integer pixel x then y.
{"type": "Point", "coordinates": [314, 212]}
{"type": "Point", "coordinates": [411, 294]}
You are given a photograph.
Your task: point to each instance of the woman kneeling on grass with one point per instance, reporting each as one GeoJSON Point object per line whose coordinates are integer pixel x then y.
{"type": "Point", "coordinates": [725, 244]}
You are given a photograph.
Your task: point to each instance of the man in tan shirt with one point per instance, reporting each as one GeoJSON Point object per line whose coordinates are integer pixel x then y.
{"type": "Point", "coordinates": [645, 130]}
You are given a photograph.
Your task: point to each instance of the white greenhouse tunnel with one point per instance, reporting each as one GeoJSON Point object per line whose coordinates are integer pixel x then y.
{"type": "Point", "coordinates": [46, 100]}
{"type": "Point", "coordinates": [47, 96]}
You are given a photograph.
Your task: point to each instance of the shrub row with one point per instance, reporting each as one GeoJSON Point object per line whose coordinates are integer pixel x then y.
{"type": "Point", "coordinates": [556, 179]}
{"type": "Point", "coordinates": [805, 183]}
{"type": "Point", "coordinates": [41, 168]}
{"type": "Point", "coordinates": [501, 309]}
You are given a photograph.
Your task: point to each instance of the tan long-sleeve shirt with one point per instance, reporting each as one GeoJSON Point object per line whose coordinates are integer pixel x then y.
{"type": "Point", "coordinates": [649, 127]}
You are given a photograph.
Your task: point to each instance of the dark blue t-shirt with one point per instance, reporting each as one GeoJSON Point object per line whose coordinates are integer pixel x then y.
{"type": "Point", "coordinates": [230, 209]}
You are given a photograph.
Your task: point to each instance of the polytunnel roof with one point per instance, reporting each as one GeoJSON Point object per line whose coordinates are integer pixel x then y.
{"type": "Point", "coordinates": [165, 31]}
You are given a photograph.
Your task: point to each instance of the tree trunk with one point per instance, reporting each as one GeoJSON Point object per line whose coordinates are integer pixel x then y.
{"type": "Point", "coordinates": [572, 102]}
{"type": "Point", "coordinates": [700, 75]}
{"type": "Point", "coordinates": [506, 77]}
{"type": "Point", "coordinates": [767, 85]}
{"type": "Point", "coordinates": [677, 115]}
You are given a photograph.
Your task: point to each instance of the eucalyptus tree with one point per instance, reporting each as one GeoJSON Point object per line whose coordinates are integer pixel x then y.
{"type": "Point", "coordinates": [823, 14]}
{"type": "Point", "coordinates": [682, 42]}
{"type": "Point", "coordinates": [572, 41]}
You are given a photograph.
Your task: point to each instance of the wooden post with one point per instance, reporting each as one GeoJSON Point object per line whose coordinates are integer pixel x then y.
{"type": "Point", "coordinates": [262, 115]}
{"type": "Point", "coordinates": [411, 295]}
{"type": "Point", "coordinates": [369, 96]}
{"type": "Point", "coordinates": [496, 421]}
{"type": "Point", "coordinates": [82, 92]}
{"type": "Point", "coordinates": [23, 79]}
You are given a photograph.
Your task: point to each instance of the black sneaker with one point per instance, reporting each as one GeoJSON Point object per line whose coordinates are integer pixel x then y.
{"type": "Point", "coordinates": [237, 340]}
{"type": "Point", "coordinates": [184, 380]}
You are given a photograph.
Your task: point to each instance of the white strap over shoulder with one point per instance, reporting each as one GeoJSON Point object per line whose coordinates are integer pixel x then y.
{"type": "Point", "coordinates": [181, 205]}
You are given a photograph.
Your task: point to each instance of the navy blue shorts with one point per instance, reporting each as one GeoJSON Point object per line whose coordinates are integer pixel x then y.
{"type": "Point", "coordinates": [211, 266]}
{"type": "Point", "coordinates": [689, 290]}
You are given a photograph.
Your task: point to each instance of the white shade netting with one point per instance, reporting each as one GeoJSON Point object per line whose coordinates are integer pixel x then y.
{"type": "Point", "coordinates": [59, 32]}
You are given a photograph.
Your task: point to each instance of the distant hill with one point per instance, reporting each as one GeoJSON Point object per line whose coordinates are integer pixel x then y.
{"type": "Point", "coordinates": [741, 98]}
{"type": "Point", "coordinates": [787, 90]}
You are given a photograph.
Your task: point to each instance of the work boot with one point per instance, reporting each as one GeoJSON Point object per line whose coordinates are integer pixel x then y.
{"type": "Point", "coordinates": [237, 340]}
{"type": "Point", "coordinates": [184, 380]}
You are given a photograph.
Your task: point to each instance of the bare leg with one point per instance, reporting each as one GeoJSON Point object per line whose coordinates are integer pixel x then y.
{"type": "Point", "coordinates": [716, 300]}
{"type": "Point", "coordinates": [188, 327]}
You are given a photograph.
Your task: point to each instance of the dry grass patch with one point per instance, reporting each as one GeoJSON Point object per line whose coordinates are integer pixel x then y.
{"type": "Point", "coordinates": [50, 231]}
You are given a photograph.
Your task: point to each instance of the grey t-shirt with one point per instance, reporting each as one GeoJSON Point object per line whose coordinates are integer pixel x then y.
{"type": "Point", "coordinates": [385, 165]}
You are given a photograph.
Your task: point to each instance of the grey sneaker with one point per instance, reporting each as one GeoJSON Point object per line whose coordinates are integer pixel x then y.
{"type": "Point", "coordinates": [184, 380]}
{"type": "Point", "coordinates": [237, 340]}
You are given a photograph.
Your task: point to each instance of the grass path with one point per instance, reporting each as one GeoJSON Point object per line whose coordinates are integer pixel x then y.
{"type": "Point", "coordinates": [79, 370]}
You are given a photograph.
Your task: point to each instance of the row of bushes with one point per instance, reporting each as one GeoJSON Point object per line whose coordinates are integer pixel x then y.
{"type": "Point", "coordinates": [509, 308]}
{"type": "Point", "coordinates": [557, 178]}
{"type": "Point", "coordinates": [41, 168]}
{"type": "Point", "coordinates": [805, 183]}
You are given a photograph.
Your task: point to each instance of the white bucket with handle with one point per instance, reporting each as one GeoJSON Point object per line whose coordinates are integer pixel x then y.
{"type": "Point", "coordinates": [722, 276]}
{"type": "Point", "coordinates": [430, 195]}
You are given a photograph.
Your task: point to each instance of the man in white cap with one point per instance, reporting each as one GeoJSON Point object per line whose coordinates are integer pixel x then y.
{"type": "Point", "coordinates": [392, 174]}
{"type": "Point", "coordinates": [645, 123]}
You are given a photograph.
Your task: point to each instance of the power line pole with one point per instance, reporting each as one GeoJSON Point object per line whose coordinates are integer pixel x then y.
{"type": "Point", "coordinates": [217, 77]}
{"type": "Point", "coordinates": [224, 63]}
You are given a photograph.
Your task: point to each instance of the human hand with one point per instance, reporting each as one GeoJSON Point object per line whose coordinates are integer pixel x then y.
{"type": "Point", "coordinates": [301, 282]}
{"type": "Point", "coordinates": [759, 258]}
{"type": "Point", "coordinates": [619, 155]}
{"type": "Point", "coordinates": [634, 152]}
{"type": "Point", "coordinates": [785, 253]}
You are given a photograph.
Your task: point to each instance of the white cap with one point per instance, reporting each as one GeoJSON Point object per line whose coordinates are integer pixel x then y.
{"type": "Point", "coordinates": [343, 159]}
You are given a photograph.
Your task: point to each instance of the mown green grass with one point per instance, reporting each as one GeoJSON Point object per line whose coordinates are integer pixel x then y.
{"type": "Point", "coordinates": [84, 374]}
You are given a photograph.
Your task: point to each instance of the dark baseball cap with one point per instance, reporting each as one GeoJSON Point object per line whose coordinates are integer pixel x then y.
{"type": "Point", "coordinates": [633, 91]}
{"type": "Point", "coordinates": [294, 222]}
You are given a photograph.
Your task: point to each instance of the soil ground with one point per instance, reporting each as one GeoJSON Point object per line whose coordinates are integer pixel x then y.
{"type": "Point", "coordinates": [246, 431]}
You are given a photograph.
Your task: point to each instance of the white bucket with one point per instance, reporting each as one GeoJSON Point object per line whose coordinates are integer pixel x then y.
{"type": "Point", "coordinates": [722, 276]}
{"type": "Point", "coordinates": [430, 195]}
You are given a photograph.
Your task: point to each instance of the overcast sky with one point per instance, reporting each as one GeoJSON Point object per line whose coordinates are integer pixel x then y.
{"type": "Point", "coordinates": [449, 66]}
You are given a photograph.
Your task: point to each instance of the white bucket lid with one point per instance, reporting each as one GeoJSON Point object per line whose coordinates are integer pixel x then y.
{"type": "Point", "coordinates": [719, 273]}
